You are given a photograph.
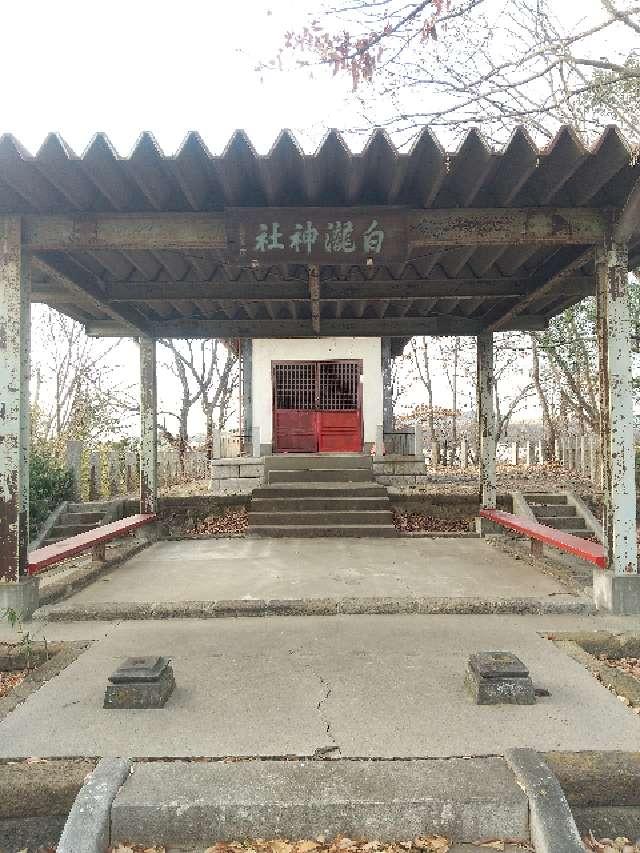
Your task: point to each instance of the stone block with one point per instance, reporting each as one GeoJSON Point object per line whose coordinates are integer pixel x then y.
{"type": "Point", "coordinates": [223, 471]}
{"type": "Point", "coordinates": [87, 828]}
{"type": "Point", "coordinates": [144, 682]}
{"type": "Point", "coordinates": [499, 678]}
{"type": "Point", "coordinates": [251, 471]}
{"type": "Point", "coordinates": [192, 803]}
{"type": "Point", "coordinates": [396, 480]}
{"type": "Point", "coordinates": [235, 485]}
{"type": "Point", "coordinates": [619, 594]}
{"type": "Point", "coordinates": [21, 596]}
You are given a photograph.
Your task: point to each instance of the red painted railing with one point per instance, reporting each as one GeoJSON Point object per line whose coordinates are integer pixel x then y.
{"type": "Point", "coordinates": [592, 552]}
{"type": "Point", "coordinates": [42, 558]}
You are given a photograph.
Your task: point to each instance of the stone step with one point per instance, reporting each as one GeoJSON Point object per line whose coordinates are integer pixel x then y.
{"type": "Point", "coordinates": [545, 499]}
{"type": "Point", "coordinates": [549, 510]}
{"type": "Point", "coordinates": [305, 531]}
{"type": "Point", "coordinates": [61, 531]}
{"type": "Point", "coordinates": [567, 522]}
{"type": "Point", "coordinates": [90, 506]}
{"type": "Point", "coordinates": [323, 518]}
{"type": "Point", "coordinates": [331, 504]}
{"type": "Point", "coordinates": [320, 490]}
{"type": "Point", "coordinates": [81, 518]}
{"type": "Point", "coordinates": [306, 461]}
{"type": "Point", "coordinates": [321, 475]}
{"type": "Point", "coordinates": [189, 803]}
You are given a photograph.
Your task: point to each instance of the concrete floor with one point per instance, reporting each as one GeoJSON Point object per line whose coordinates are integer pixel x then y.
{"type": "Point", "coordinates": [388, 686]}
{"type": "Point", "coordinates": [317, 568]}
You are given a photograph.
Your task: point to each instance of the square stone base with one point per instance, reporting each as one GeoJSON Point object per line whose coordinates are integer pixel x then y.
{"type": "Point", "coordinates": [506, 690]}
{"type": "Point", "coordinates": [484, 526]}
{"type": "Point", "coordinates": [141, 694]}
{"type": "Point", "coordinates": [21, 596]}
{"type": "Point", "coordinates": [619, 594]}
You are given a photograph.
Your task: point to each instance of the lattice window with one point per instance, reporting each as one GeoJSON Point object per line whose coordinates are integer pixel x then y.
{"type": "Point", "coordinates": [338, 385]}
{"type": "Point", "coordinates": [295, 385]}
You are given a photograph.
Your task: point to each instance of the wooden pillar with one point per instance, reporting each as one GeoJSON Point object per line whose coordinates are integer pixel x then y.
{"type": "Point", "coordinates": [148, 427]}
{"type": "Point", "coordinates": [614, 341]}
{"type": "Point", "coordinates": [486, 421]}
{"type": "Point", "coordinates": [15, 299]}
{"type": "Point", "coordinates": [387, 385]}
{"type": "Point", "coordinates": [247, 395]}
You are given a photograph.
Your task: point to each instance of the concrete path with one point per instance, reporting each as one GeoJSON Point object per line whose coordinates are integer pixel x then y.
{"type": "Point", "coordinates": [387, 686]}
{"type": "Point", "coordinates": [318, 568]}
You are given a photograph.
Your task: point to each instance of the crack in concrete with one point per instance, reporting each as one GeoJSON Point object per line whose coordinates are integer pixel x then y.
{"type": "Point", "coordinates": [334, 746]}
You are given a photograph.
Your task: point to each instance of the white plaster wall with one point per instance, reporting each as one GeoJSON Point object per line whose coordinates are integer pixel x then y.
{"type": "Point", "coordinates": [317, 349]}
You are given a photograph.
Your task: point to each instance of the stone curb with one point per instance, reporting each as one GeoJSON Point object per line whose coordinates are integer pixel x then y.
{"type": "Point", "coordinates": [88, 827]}
{"type": "Point", "coordinates": [553, 829]}
{"type": "Point", "coordinates": [115, 610]}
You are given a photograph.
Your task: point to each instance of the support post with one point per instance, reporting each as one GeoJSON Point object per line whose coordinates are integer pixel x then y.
{"type": "Point", "coordinates": [531, 453]}
{"type": "Point", "coordinates": [617, 589]}
{"type": "Point", "coordinates": [148, 427]}
{"type": "Point", "coordinates": [18, 592]}
{"type": "Point", "coordinates": [486, 421]}
{"type": "Point", "coordinates": [387, 385]}
{"type": "Point", "coordinates": [435, 453]}
{"type": "Point", "coordinates": [247, 392]}
{"type": "Point", "coordinates": [515, 451]}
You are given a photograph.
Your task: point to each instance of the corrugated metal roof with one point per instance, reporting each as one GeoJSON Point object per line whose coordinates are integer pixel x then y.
{"type": "Point", "coordinates": [564, 173]}
{"type": "Point", "coordinates": [192, 291]}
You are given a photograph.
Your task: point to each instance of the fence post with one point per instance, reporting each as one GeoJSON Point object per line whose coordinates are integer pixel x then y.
{"type": "Point", "coordinates": [435, 453]}
{"type": "Point", "coordinates": [131, 467]}
{"type": "Point", "coordinates": [514, 452]}
{"type": "Point", "coordinates": [74, 463]}
{"type": "Point", "coordinates": [418, 449]}
{"type": "Point", "coordinates": [113, 474]}
{"type": "Point", "coordinates": [540, 452]}
{"type": "Point", "coordinates": [216, 444]}
{"type": "Point", "coordinates": [531, 453]}
{"type": "Point", "coordinates": [464, 452]}
{"type": "Point", "coordinates": [95, 475]}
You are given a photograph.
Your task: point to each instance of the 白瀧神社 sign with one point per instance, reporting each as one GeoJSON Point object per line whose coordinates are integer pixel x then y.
{"type": "Point", "coordinates": [316, 235]}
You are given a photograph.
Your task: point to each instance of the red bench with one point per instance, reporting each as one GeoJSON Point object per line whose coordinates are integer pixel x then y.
{"type": "Point", "coordinates": [42, 558]}
{"type": "Point", "coordinates": [540, 534]}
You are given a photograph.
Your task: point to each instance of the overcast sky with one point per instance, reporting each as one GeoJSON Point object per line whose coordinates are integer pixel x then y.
{"type": "Point", "coordinates": [131, 65]}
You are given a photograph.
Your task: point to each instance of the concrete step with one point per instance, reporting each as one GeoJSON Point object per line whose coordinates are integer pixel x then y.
{"type": "Point", "coordinates": [189, 803]}
{"type": "Point", "coordinates": [549, 510]}
{"type": "Point", "coordinates": [330, 504]}
{"type": "Point", "coordinates": [360, 531]}
{"type": "Point", "coordinates": [321, 475]}
{"type": "Point", "coordinates": [90, 506]}
{"type": "Point", "coordinates": [64, 531]}
{"type": "Point", "coordinates": [567, 522]}
{"type": "Point", "coordinates": [307, 461]}
{"type": "Point", "coordinates": [81, 518]}
{"type": "Point", "coordinates": [320, 490]}
{"type": "Point", "coordinates": [323, 518]}
{"type": "Point", "coordinates": [545, 499]}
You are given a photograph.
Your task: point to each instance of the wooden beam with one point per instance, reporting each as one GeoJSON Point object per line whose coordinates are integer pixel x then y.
{"type": "Point", "coordinates": [545, 283]}
{"type": "Point", "coordinates": [88, 292]}
{"type": "Point", "coordinates": [345, 327]}
{"type": "Point", "coordinates": [294, 291]}
{"type": "Point", "coordinates": [427, 229]}
{"type": "Point", "coordinates": [125, 231]}
{"type": "Point", "coordinates": [314, 296]}
{"type": "Point", "coordinates": [555, 226]}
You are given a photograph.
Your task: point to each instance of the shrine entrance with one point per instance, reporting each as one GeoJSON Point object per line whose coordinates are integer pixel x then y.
{"type": "Point", "coordinates": [317, 406]}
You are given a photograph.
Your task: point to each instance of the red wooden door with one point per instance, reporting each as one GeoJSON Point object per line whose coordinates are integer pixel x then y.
{"type": "Point", "coordinates": [296, 431]}
{"type": "Point", "coordinates": [317, 406]}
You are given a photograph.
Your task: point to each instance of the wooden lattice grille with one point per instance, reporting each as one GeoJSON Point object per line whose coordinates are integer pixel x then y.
{"type": "Point", "coordinates": [320, 385]}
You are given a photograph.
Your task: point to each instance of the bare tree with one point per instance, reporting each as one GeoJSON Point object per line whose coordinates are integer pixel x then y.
{"type": "Point", "coordinates": [207, 372]}
{"type": "Point", "coordinates": [77, 389]}
{"type": "Point", "coordinates": [481, 63]}
{"type": "Point", "coordinates": [422, 365]}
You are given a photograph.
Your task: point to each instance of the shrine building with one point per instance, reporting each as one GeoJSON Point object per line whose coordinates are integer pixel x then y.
{"type": "Point", "coordinates": [324, 265]}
